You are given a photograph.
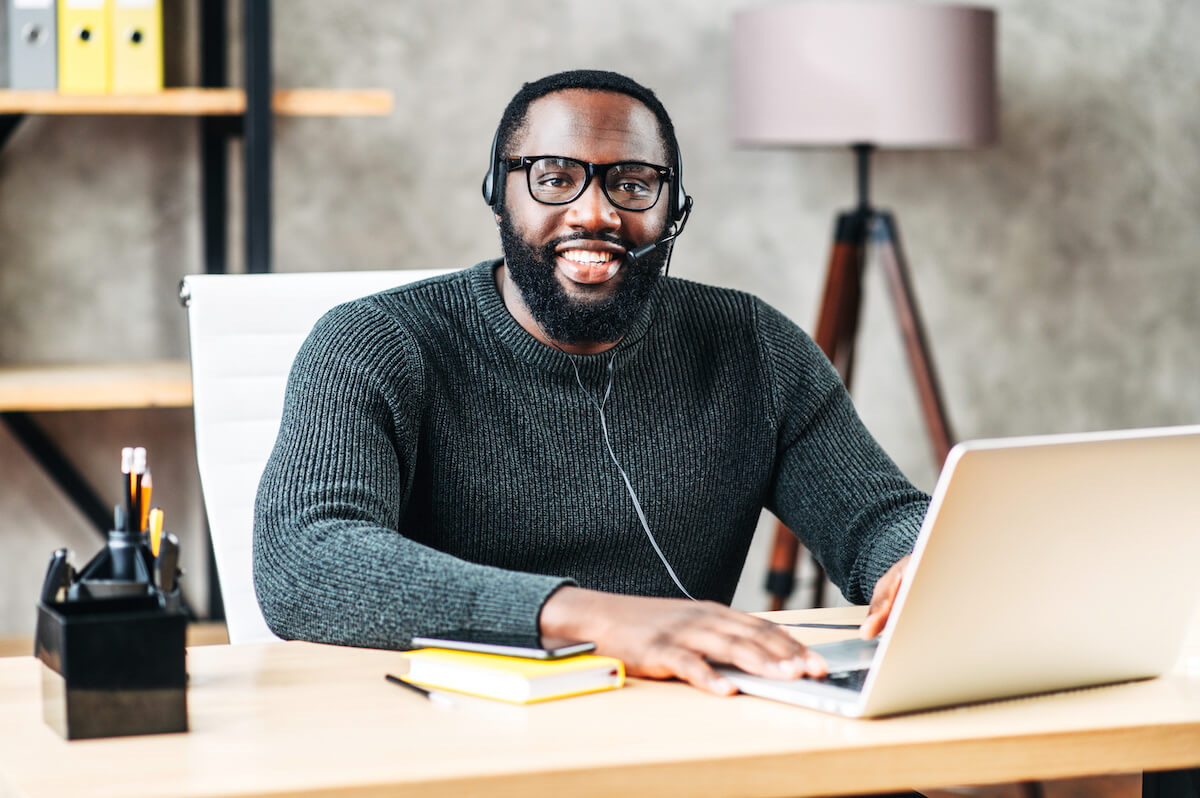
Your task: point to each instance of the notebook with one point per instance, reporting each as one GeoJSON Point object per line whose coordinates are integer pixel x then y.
{"type": "Point", "coordinates": [1044, 563]}
{"type": "Point", "coordinates": [512, 679]}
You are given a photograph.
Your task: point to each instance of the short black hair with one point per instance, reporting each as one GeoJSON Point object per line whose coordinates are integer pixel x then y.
{"type": "Point", "coordinates": [513, 118]}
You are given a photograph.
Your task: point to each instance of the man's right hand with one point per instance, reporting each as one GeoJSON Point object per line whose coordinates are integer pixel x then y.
{"type": "Point", "coordinates": [661, 638]}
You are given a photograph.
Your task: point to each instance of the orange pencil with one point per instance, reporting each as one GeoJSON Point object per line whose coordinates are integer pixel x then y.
{"type": "Point", "coordinates": [147, 489]}
{"type": "Point", "coordinates": [139, 470]}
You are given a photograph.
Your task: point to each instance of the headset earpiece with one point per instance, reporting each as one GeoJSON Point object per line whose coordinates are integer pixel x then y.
{"type": "Point", "coordinates": [681, 203]}
{"type": "Point", "coordinates": [493, 178]}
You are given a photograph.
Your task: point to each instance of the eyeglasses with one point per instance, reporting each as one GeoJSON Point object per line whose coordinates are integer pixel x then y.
{"type": "Point", "coordinates": [555, 180]}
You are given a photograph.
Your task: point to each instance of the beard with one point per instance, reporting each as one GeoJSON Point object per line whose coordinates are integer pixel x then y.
{"type": "Point", "coordinates": [573, 320]}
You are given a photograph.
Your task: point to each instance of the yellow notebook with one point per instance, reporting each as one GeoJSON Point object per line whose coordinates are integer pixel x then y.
{"type": "Point", "coordinates": [137, 49]}
{"type": "Point", "coordinates": [83, 53]}
{"type": "Point", "coordinates": [519, 681]}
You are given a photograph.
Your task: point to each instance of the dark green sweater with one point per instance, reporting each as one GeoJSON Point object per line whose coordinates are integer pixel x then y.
{"type": "Point", "coordinates": [437, 467]}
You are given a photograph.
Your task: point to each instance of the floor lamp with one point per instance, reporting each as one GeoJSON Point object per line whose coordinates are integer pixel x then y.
{"type": "Point", "coordinates": [865, 76]}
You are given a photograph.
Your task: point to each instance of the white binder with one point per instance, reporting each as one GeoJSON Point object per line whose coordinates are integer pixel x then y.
{"type": "Point", "coordinates": [4, 45]}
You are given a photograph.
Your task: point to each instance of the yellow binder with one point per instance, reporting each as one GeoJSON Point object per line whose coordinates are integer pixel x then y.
{"type": "Point", "coordinates": [137, 49]}
{"type": "Point", "coordinates": [83, 55]}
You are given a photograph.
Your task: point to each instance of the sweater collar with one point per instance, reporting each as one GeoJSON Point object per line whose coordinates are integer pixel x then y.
{"type": "Point", "coordinates": [529, 349]}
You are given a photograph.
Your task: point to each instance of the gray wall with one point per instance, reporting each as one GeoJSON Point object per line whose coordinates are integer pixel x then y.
{"type": "Point", "coordinates": [1057, 271]}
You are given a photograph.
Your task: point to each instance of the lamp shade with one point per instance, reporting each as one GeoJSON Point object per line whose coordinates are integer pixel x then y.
{"type": "Point", "coordinates": [888, 74]}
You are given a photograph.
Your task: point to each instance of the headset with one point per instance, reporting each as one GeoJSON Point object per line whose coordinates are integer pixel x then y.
{"type": "Point", "coordinates": [680, 204]}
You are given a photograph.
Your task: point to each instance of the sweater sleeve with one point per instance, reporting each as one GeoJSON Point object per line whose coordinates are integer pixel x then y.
{"type": "Point", "coordinates": [833, 485]}
{"type": "Point", "coordinates": [331, 563]}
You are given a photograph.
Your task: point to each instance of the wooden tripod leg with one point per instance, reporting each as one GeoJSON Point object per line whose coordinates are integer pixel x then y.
{"type": "Point", "coordinates": [837, 324]}
{"type": "Point", "coordinates": [781, 568]}
{"type": "Point", "coordinates": [920, 358]}
{"type": "Point", "coordinates": [837, 321]}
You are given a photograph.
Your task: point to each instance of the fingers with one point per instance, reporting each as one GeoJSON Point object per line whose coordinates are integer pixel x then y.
{"type": "Point", "coordinates": [877, 615]}
{"type": "Point", "coordinates": [705, 632]}
{"type": "Point", "coordinates": [875, 621]}
{"type": "Point", "coordinates": [694, 670]}
{"type": "Point", "coordinates": [663, 638]}
{"type": "Point", "coordinates": [882, 600]}
{"type": "Point", "coordinates": [756, 646]}
{"type": "Point", "coordinates": [756, 651]}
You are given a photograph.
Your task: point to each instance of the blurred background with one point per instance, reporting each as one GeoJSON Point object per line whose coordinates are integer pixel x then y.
{"type": "Point", "coordinates": [1058, 271]}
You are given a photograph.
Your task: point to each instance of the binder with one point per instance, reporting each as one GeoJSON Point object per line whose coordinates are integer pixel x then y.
{"type": "Point", "coordinates": [83, 51]}
{"type": "Point", "coordinates": [4, 45]}
{"type": "Point", "coordinates": [137, 48]}
{"type": "Point", "coordinates": [32, 45]}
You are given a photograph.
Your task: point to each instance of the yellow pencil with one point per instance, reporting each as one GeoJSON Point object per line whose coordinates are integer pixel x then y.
{"type": "Point", "coordinates": [156, 527]}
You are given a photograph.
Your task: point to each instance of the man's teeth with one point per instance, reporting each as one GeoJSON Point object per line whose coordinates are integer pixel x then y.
{"type": "Point", "coordinates": [587, 256]}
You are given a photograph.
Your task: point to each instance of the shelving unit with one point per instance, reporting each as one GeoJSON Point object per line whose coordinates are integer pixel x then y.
{"type": "Point", "coordinates": [200, 102]}
{"type": "Point", "coordinates": [95, 386]}
{"type": "Point", "coordinates": [224, 114]}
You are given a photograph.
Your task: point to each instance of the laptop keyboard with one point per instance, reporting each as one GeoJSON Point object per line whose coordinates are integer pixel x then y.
{"type": "Point", "coordinates": [847, 680]}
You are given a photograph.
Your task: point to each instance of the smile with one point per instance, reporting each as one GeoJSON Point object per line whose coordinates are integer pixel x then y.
{"type": "Point", "coordinates": [586, 256]}
{"type": "Point", "coordinates": [589, 266]}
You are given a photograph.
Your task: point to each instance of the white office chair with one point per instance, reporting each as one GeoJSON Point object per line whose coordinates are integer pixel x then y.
{"type": "Point", "coordinates": [245, 330]}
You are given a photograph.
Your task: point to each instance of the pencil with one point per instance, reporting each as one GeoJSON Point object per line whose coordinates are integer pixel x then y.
{"type": "Point", "coordinates": [144, 505]}
{"type": "Point", "coordinates": [437, 698]}
{"type": "Point", "coordinates": [139, 470]}
{"type": "Point", "coordinates": [156, 526]}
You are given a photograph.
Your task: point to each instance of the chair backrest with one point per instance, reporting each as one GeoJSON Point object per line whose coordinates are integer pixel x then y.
{"type": "Point", "coordinates": [245, 330]}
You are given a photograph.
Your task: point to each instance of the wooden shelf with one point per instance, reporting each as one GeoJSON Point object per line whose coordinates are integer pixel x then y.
{"type": "Point", "coordinates": [200, 102]}
{"type": "Point", "coordinates": [96, 386]}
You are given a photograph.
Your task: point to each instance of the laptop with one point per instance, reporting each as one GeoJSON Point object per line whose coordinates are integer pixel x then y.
{"type": "Point", "coordinates": [1044, 563]}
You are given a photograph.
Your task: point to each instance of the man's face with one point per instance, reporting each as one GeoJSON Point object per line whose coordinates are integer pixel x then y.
{"type": "Point", "coordinates": [568, 261]}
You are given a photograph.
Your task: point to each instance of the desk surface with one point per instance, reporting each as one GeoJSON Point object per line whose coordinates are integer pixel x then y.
{"type": "Point", "coordinates": [304, 719]}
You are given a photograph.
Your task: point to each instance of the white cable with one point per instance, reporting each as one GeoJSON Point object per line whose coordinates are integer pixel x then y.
{"type": "Point", "coordinates": [637, 505]}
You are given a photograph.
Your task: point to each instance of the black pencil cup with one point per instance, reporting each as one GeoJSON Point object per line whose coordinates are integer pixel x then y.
{"type": "Point", "coordinates": [112, 667]}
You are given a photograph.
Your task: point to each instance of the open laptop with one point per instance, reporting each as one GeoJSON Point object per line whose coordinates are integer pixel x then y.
{"type": "Point", "coordinates": [1044, 563]}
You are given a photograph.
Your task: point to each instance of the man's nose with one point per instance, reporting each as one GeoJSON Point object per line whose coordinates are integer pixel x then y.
{"type": "Point", "coordinates": [592, 210]}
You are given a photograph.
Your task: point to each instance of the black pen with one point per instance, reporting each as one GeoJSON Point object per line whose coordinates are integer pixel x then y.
{"type": "Point", "coordinates": [127, 478]}
{"type": "Point", "coordinates": [821, 625]}
{"type": "Point", "coordinates": [437, 698]}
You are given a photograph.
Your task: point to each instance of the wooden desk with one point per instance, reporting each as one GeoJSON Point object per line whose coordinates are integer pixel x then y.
{"type": "Point", "coordinates": [303, 719]}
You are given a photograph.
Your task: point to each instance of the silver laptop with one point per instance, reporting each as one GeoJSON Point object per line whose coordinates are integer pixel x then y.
{"type": "Point", "coordinates": [1044, 563]}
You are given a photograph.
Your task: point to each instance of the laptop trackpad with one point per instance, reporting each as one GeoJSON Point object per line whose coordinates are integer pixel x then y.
{"type": "Point", "coordinates": [847, 655]}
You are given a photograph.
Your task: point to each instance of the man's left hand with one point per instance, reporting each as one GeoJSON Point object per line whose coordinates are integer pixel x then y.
{"type": "Point", "coordinates": [882, 599]}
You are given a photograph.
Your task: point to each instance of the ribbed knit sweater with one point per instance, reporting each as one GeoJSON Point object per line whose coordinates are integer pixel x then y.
{"type": "Point", "coordinates": [437, 467]}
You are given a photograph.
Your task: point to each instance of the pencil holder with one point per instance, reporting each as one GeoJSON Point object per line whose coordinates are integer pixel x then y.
{"type": "Point", "coordinates": [112, 648]}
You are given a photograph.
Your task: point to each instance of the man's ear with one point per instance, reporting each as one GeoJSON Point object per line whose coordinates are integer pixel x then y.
{"type": "Point", "coordinates": [496, 216]}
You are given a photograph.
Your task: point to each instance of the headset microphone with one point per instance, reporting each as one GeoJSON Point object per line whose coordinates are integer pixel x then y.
{"type": "Point", "coordinates": [636, 254]}
{"type": "Point", "coordinates": [642, 251]}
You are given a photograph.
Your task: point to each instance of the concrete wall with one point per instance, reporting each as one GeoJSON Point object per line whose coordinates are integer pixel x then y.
{"type": "Point", "coordinates": [1058, 271]}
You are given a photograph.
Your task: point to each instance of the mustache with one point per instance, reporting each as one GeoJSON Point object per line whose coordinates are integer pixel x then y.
{"type": "Point", "coordinates": [607, 238]}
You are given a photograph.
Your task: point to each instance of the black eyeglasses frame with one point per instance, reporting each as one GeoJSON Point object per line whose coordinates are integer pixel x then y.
{"type": "Point", "coordinates": [512, 164]}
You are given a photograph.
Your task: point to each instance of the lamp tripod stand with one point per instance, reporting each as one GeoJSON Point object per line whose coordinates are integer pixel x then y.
{"type": "Point", "coordinates": [858, 231]}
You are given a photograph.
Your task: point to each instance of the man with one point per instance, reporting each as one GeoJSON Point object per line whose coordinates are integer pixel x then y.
{"type": "Point", "coordinates": [565, 441]}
